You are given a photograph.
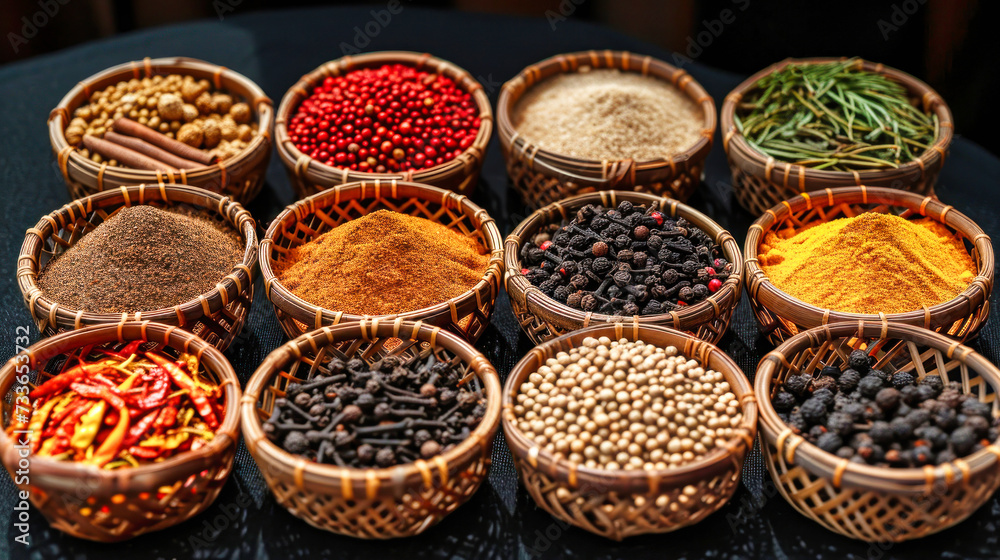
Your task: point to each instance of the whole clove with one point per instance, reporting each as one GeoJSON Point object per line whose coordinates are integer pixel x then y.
{"type": "Point", "coordinates": [355, 414]}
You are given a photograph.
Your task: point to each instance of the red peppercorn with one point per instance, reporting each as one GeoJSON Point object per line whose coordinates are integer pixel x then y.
{"type": "Point", "coordinates": [545, 245]}
{"type": "Point", "coordinates": [364, 119]}
{"type": "Point", "coordinates": [710, 271]}
{"type": "Point", "coordinates": [714, 284]}
{"type": "Point", "coordinates": [524, 271]}
{"type": "Point", "coordinates": [658, 216]}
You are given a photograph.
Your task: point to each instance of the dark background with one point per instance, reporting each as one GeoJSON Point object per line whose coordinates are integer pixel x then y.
{"type": "Point", "coordinates": [274, 48]}
{"type": "Point", "coordinates": [951, 44]}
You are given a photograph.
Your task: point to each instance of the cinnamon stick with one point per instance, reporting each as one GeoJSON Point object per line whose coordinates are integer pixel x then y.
{"type": "Point", "coordinates": [125, 156]}
{"type": "Point", "coordinates": [151, 150]}
{"type": "Point", "coordinates": [176, 147]}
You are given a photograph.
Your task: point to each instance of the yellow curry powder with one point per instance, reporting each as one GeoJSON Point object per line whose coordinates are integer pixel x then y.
{"type": "Point", "coordinates": [870, 263]}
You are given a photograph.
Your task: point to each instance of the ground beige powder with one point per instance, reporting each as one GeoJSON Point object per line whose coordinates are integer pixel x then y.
{"type": "Point", "coordinates": [608, 114]}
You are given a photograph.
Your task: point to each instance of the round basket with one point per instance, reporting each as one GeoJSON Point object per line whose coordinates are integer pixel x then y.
{"type": "Point", "coordinates": [619, 504]}
{"type": "Point", "coordinates": [309, 176]}
{"type": "Point", "coordinates": [239, 177]}
{"type": "Point", "coordinates": [878, 504]}
{"type": "Point", "coordinates": [781, 315]}
{"type": "Point", "coordinates": [217, 316]}
{"type": "Point", "coordinates": [374, 503]}
{"type": "Point", "coordinates": [543, 318]}
{"type": "Point", "coordinates": [760, 181]}
{"type": "Point", "coordinates": [114, 505]}
{"type": "Point", "coordinates": [543, 177]}
{"type": "Point", "coordinates": [466, 315]}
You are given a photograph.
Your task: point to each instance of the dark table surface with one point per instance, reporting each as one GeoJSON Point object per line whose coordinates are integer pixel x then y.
{"type": "Point", "coordinates": [274, 49]}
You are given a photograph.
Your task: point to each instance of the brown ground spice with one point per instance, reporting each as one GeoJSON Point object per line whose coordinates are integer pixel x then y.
{"type": "Point", "coordinates": [383, 263]}
{"type": "Point", "coordinates": [142, 258]}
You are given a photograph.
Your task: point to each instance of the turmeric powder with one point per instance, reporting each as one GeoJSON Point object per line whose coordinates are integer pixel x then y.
{"type": "Point", "coordinates": [869, 264]}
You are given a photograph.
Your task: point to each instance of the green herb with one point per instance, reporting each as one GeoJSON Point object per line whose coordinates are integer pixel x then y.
{"type": "Point", "coordinates": [834, 116]}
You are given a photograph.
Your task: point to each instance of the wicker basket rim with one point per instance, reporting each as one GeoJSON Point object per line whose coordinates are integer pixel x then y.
{"type": "Point", "coordinates": [120, 480]}
{"type": "Point", "coordinates": [260, 104]}
{"type": "Point", "coordinates": [293, 156]}
{"type": "Point", "coordinates": [240, 274]}
{"type": "Point", "coordinates": [516, 281]}
{"type": "Point", "coordinates": [734, 141]}
{"type": "Point", "coordinates": [487, 227]}
{"type": "Point", "coordinates": [562, 469]}
{"type": "Point", "coordinates": [332, 478]}
{"type": "Point", "coordinates": [569, 62]}
{"type": "Point", "coordinates": [877, 479]}
{"type": "Point", "coordinates": [927, 206]}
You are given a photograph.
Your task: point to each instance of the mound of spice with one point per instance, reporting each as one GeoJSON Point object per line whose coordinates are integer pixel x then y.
{"type": "Point", "coordinates": [834, 116]}
{"type": "Point", "coordinates": [633, 260]}
{"type": "Point", "coordinates": [608, 114]}
{"type": "Point", "coordinates": [874, 417]}
{"type": "Point", "coordinates": [394, 411]}
{"type": "Point", "coordinates": [142, 258]}
{"type": "Point", "coordinates": [124, 408]}
{"type": "Point", "coordinates": [869, 263]}
{"type": "Point", "coordinates": [383, 263]}
{"type": "Point", "coordinates": [626, 405]}
{"type": "Point", "coordinates": [179, 107]}
{"type": "Point", "coordinates": [385, 120]}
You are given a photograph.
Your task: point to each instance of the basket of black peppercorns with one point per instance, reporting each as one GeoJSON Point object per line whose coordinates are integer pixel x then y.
{"type": "Point", "coordinates": [615, 256]}
{"type": "Point", "coordinates": [373, 430]}
{"type": "Point", "coordinates": [882, 432]}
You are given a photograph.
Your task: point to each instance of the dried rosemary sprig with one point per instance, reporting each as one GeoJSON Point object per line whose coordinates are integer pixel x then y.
{"type": "Point", "coordinates": [834, 116]}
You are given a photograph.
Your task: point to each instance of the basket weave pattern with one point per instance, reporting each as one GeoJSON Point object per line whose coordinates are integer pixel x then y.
{"type": "Point", "coordinates": [217, 316]}
{"type": "Point", "coordinates": [309, 176]}
{"type": "Point", "coordinates": [466, 315]}
{"type": "Point", "coordinates": [371, 503]}
{"type": "Point", "coordinates": [542, 318]}
{"type": "Point", "coordinates": [760, 181]}
{"type": "Point", "coordinates": [781, 316]}
{"type": "Point", "coordinates": [619, 504]}
{"type": "Point", "coordinates": [115, 505]}
{"type": "Point", "coordinates": [240, 177]}
{"type": "Point", "coordinates": [872, 503]}
{"type": "Point", "coordinates": [542, 177]}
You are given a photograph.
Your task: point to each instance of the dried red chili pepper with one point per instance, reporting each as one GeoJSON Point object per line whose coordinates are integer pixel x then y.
{"type": "Point", "coordinates": [126, 351]}
{"type": "Point", "coordinates": [140, 428]}
{"type": "Point", "coordinates": [63, 380]}
{"type": "Point", "coordinates": [144, 452]}
{"type": "Point", "coordinates": [99, 392]}
{"type": "Point", "coordinates": [183, 381]}
{"type": "Point", "coordinates": [157, 395]}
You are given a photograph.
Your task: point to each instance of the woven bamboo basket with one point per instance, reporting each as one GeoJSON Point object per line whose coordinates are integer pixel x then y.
{"type": "Point", "coordinates": [240, 177]}
{"type": "Point", "coordinates": [217, 316]}
{"type": "Point", "coordinates": [543, 177]}
{"type": "Point", "coordinates": [466, 315]}
{"type": "Point", "coordinates": [878, 504]}
{"type": "Point", "coordinates": [114, 505]}
{"type": "Point", "coordinates": [373, 503]}
{"type": "Point", "coordinates": [543, 318]}
{"type": "Point", "coordinates": [760, 182]}
{"type": "Point", "coordinates": [309, 176]}
{"type": "Point", "coordinates": [781, 315]}
{"type": "Point", "coordinates": [619, 504]}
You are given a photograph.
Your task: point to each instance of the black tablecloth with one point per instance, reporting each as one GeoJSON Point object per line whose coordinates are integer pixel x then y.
{"type": "Point", "coordinates": [274, 49]}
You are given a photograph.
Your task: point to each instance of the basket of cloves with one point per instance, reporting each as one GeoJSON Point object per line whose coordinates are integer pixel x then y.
{"type": "Point", "coordinates": [373, 430]}
{"type": "Point", "coordinates": [613, 257]}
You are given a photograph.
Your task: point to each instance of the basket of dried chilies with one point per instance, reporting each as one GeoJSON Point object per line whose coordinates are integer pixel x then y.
{"type": "Point", "coordinates": [130, 428]}
{"type": "Point", "coordinates": [807, 124]}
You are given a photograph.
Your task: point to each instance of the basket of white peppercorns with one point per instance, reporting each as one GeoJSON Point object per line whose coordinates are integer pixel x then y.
{"type": "Point", "coordinates": [624, 429]}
